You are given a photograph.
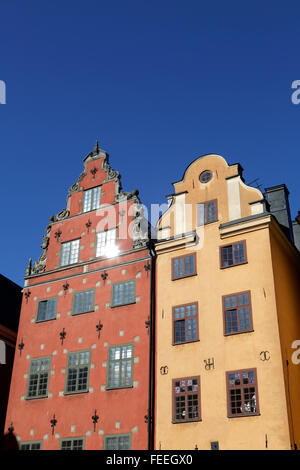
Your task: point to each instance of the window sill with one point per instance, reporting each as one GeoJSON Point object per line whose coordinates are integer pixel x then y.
{"type": "Point", "coordinates": [119, 388]}
{"type": "Point", "coordinates": [122, 305]}
{"type": "Point", "coordinates": [187, 421]}
{"type": "Point", "coordinates": [44, 321]}
{"type": "Point", "coordinates": [239, 332]}
{"type": "Point", "coordinates": [186, 342]}
{"type": "Point", "coordinates": [81, 313]}
{"type": "Point", "coordinates": [244, 415]}
{"type": "Point", "coordinates": [208, 223]}
{"type": "Point", "coordinates": [36, 398]}
{"type": "Point", "coordinates": [76, 393]}
{"type": "Point", "coordinates": [183, 277]}
{"type": "Point", "coordinates": [233, 265]}
{"type": "Point", "coordinates": [69, 264]}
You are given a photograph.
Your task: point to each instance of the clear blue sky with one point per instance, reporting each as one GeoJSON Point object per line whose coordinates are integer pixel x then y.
{"type": "Point", "coordinates": [158, 82]}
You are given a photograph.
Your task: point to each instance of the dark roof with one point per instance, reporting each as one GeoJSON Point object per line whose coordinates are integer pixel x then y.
{"type": "Point", "coordinates": [10, 306]}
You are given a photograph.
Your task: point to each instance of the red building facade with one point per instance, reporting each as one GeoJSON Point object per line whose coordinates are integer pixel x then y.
{"type": "Point", "coordinates": [82, 378]}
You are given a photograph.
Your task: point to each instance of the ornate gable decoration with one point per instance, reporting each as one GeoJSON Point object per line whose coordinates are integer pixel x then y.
{"type": "Point", "coordinates": [141, 228]}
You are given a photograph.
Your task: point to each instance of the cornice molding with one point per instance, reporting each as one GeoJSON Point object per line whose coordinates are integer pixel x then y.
{"type": "Point", "coordinates": [86, 273]}
{"type": "Point", "coordinates": [249, 224]}
{"type": "Point", "coordinates": [176, 243]}
{"type": "Point", "coordinates": [7, 335]}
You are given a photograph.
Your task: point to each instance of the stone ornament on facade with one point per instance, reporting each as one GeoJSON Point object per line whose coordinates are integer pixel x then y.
{"type": "Point", "coordinates": [140, 232]}
{"type": "Point", "coordinates": [76, 186]}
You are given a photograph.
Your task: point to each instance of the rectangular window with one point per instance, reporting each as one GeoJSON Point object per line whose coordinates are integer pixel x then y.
{"type": "Point", "coordinates": [185, 323]}
{"type": "Point", "coordinates": [120, 366]}
{"type": "Point", "coordinates": [69, 252]}
{"type": "Point", "coordinates": [38, 379]}
{"type": "Point", "coordinates": [106, 243]}
{"type": "Point", "coordinates": [117, 442]}
{"type": "Point", "coordinates": [91, 199]}
{"type": "Point", "coordinates": [237, 313]}
{"type": "Point", "coordinates": [46, 309]}
{"type": "Point", "coordinates": [242, 393]}
{"type": "Point", "coordinates": [186, 399]}
{"type": "Point", "coordinates": [234, 254]}
{"type": "Point", "coordinates": [31, 445]}
{"type": "Point", "coordinates": [83, 301]}
{"type": "Point", "coordinates": [183, 266]}
{"type": "Point", "coordinates": [73, 443]}
{"type": "Point", "coordinates": [123, 293]}
{"type": "Point", "coordinates": [207, 212]}
{"type": "Point", "coordinates": [77, 377]}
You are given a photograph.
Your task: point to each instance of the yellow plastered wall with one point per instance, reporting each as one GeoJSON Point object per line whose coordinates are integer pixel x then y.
{"type": "Point", "coordinates": [286, 266]}
{"type": "Point", "coordinates": [241, 351]}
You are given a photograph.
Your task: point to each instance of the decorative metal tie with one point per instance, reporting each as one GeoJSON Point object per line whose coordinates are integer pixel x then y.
{"type": "Point", "coordinates": [148, 324]}
{"type": "Point", "coordinates": [62, 335]}
{"type": "Point", "coordinates": [27, 295]}
{"type": "Point", "coordinates": [147, 268]}
{"type": "Point", "coordinates": [104, 276]}
{"type": "Point", "coordinates": [88, 224]}
{"type": "Point", "coordinates": [66, 287]}
{"type": "Point", "coordinates": [21, 346]}
{"type": "Point", "coordinates": [94, 171]}
{"type": "Point", "coordinates": [57, 235]}
{"type": "Point", "coordinates": [11, 428]}
{"type": "Point", "coordinates": [53, 423]}
{"type": "Point", "coordinates": [95, 418]}
{"type": "Point", "coordinates": [99, 327]}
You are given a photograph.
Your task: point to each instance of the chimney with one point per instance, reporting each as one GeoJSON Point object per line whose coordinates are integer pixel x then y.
{"type": "Point", "coordinates": [278, 198]}
{"type": "Point", "coordinates": [296, 231]}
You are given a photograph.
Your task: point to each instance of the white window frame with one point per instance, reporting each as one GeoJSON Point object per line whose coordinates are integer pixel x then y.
{"type": "Point", "coordinates": [91, 199]}
{"type": "Point", "coordinates": [70, 252]}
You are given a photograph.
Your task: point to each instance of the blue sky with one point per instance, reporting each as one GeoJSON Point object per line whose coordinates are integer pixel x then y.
{"type": "Point", "coordinates": [158, 83]}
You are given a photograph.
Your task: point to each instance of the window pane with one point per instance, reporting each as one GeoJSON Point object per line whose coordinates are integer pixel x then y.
{"type": "Point", "coordinates": [179, 331]}
{"type": "Point", "coordinates": [242, 393]}
{"type": "Point", "coordinates": [38, 378]}
{"type": "Point", "coordinates": [91, 199]}
{"type": "Point", "coordinates": [83, 301]}
{"type": "Point", "coordinates": [189, 265]}
{"type": "Point", "coordinates": [239, 253]}
{"type": "Point", "coordinates": [51, 308]}
{"type": "Point", "coordinates": [106, 242]}
{"type": "Point", "coordinates": [111, 443]}
{"type": "Point", "coordinates": [211, 211]}
{"type": "Point", "coordinates": [178, 267]}
{"type": "Point", "coordinates": [87, 199]}
{"type": "Point", "coordinates": [42, 310]}
{"type": "Point", "coordinates": [120, 370]}
{"type": "Point", "coordinates": [74, 251]}
{"type": "Point", "coordinates": [227, 257]}
{"type": "Point", "coordinates": [123, 293]}
{"type": "Point", "coordinates": [124, 443]}
{"type": "Point", "coordinates": [78, 371]}
{"type": "Point", "coordinates": [65, 253]}
{"type": "Point", "coordinates": [186, 396]}
{"type": "Point", "coordinates": [69, 252]}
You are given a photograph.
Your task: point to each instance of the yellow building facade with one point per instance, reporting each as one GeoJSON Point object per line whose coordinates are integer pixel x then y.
{"type": "Point", "coordinates": [227, 317]}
